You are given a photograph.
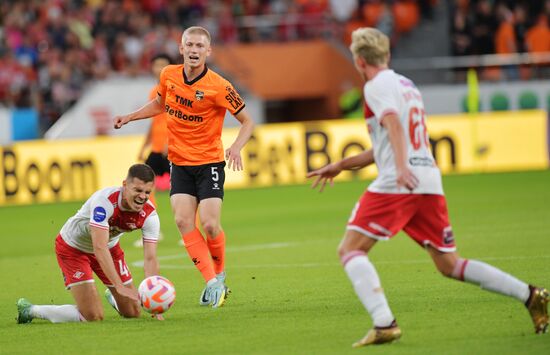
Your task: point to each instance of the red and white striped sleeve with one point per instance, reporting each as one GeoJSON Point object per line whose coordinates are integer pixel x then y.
{"type": "Point", "coordinates": [151, 228]}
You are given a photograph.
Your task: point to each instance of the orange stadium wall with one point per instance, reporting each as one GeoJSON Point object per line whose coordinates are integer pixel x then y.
{"type": "Point", "coordinates": [278, 154]}
{"type": "Point", "coordinates": [313, 72]}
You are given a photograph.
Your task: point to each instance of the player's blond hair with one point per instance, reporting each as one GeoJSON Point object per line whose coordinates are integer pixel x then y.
{"type": "Point", "coordinates": [371, 45]}
{"type": "Point", "coordinates": [197, 30]}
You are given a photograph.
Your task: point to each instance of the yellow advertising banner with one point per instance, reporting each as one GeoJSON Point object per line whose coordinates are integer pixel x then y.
{"type": "Point", "coordinates": [65, 170]}
{"type": "Point", "coordinates": [490, 142]}
{"type": "Point", "coordinates": [277, 154]}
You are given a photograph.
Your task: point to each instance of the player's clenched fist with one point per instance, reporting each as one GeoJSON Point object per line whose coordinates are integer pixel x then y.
{"type": "Point", "coordinates": [120, 121]}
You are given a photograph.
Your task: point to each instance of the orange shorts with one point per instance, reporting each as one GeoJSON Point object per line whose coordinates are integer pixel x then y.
{"type": "Point", "coordinates": [423, 217]}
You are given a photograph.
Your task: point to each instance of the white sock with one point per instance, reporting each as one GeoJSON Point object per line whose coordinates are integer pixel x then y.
{"type": "Point", "coordinates": [490, 278]}
{"type": "Point", "coordinates": [367, 286]}
{"type": "Point", "coordinates": [57, 314]}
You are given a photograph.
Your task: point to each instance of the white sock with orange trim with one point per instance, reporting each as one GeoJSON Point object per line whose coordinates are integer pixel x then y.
{"type": "Point", "coordinates": [367, 286]}
{"type": "Point", "coordinates": [490, 278]}
{"type": "Point", "coordinates": [57, 314]}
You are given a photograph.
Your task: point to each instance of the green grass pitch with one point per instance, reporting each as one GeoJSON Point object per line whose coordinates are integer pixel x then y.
{"type": "Point", "coordinates": [290, 295]}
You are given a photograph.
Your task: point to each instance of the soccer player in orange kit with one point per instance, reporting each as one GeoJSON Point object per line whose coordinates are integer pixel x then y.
{"type": "Point", "coordinates": [195, 99]}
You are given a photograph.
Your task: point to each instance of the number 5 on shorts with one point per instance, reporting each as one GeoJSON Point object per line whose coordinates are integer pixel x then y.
{"type": "Point", "coordinates": [215, 174]}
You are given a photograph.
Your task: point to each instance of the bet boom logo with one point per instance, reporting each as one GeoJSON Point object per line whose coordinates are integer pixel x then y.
{"type": "Point", "coordinates": [318, 156]}
{"type": "Point", "coordinates": [38, 180]}
{"type": "Point", "coordinates": [285, 157]}
{"type": "Point", "coordinates": [317, 149]}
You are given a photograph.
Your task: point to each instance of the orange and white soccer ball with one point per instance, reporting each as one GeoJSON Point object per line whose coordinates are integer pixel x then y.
{"type": "Point", "coordinates": [156, 294]}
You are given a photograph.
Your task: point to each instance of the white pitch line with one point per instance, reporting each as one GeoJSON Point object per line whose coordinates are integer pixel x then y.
{"type": "Point", "coordinates": [258, 266]}
{"type": "Point", "coordinates": [227, 250]}
{"type": "Point", "coordinates": [426, 260]}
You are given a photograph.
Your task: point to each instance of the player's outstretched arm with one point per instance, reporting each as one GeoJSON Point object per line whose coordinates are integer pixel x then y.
{"type": "Point", "coordinates": [330, 171]}
{"type": "Point", "coordinates": [152, 108]}
{"type": "Point", "coordinates": [233, 153]}
{"type": "Point", "coordinates": [101, 251]}
{"type": "Point", "coordinates": [150, 261]}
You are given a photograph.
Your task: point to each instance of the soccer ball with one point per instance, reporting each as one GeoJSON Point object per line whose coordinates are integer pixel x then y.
{"type": "Point", "coordinates": [156, 294]}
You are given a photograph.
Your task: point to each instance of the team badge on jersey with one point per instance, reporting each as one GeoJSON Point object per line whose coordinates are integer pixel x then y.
{"type": "Point", "coordinates": [199, 95]}
{"type": "Point", "coordinates": [99, 214]}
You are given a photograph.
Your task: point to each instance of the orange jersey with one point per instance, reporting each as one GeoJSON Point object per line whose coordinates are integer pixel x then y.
{"type": "Point", "coordinates": [505, 39]}
{"type": "Point", "coordinates": [159, 131]}
{"type": "Point", "coordinates": [194, 112]}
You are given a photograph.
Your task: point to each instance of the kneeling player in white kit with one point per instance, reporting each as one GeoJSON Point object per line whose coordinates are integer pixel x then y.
{"type": "Point", "coordinates": [89, 242]}
{"type": "Point", "coordinates": [407, 195]}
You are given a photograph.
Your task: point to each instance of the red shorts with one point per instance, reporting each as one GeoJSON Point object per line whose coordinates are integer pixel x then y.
{"type": "Point", "coordinates": [423, 217]}
{"type": "Point", "coordinates": [77, 266]}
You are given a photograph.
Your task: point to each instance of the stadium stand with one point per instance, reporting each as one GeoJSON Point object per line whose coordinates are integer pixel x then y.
{"type": "Point", "coordinates": [482, 27]}
{"type": "Point", "coordinates": [51, 50]}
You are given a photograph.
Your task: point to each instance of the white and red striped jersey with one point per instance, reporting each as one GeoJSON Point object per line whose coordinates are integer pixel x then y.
{"type": "Point", "coordinates": [103, 210]}
{"type": "Point", "coordinates": [389, 92]}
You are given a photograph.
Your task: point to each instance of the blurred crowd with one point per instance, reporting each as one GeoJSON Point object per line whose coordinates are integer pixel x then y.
{"type": "Point", "coordinates": [50, 49]}
{"type": "Point", "coordinates": [501, 27]}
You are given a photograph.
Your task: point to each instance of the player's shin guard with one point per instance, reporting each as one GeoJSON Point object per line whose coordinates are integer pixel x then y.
{"type": "Point", "coordinates": [198, 252]}
{"type": "Point", "coordinates": [217, 251]}
{"type": "Point", "coordinates": [490, 278]}
{"type": "Point", "coordinates": [367, 286]}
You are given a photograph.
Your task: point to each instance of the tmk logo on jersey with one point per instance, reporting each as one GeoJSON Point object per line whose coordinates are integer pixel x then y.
{"type": "Point", "coordinates": [216, 186]}
{"type": "Point", "coordinates": [199, 95]}
{"type": "Point", "coordinates": [184, 102]}
{"type": "Point", "coordinates": [448, 237]}
{"type": "Point", "coordinates": [99, 214]}
{"type": "Point", "coordinates": [78, 275]}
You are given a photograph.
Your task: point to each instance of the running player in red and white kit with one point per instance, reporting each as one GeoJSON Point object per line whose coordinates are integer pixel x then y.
{"type": "Point", "coordinates": [89, 243]}
{"type": "Point", "coordinates": [407, 195]}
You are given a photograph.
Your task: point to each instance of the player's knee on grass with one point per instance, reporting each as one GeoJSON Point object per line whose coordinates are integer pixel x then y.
{"type": "Point", "coordinates": [132, 311]}
{"type": "Point", "coordinates": [128, 308]}
{"type": "Point", "coordinates": [92, 315]}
